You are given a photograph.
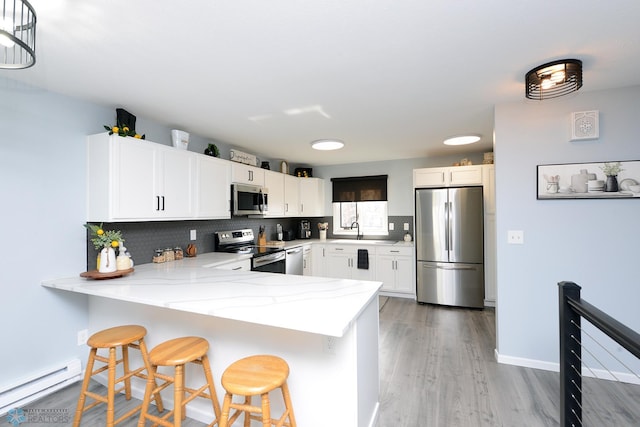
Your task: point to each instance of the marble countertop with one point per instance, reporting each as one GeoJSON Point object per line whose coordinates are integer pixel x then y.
{"type": "Point", "coordinates": [318, 305]}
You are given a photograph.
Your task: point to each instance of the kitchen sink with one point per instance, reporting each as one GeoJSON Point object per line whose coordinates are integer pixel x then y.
{"type": "Point", "coordinates": [363, 242]}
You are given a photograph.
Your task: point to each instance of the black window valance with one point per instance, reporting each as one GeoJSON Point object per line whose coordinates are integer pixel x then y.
{"type": "Point", "coordinates": [360, 189]}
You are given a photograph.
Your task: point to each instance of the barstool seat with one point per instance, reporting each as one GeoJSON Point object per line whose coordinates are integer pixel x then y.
{"type": "Point", "coordinates": [177, 353]}
{"type": "Point", "coordinates": [119, 336]}
{"type": "Point", "coordinates": [256, 376]}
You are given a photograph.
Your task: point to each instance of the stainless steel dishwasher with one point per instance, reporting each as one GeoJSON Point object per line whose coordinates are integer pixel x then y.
{"type": "Point", "coordinates": [294, 263]}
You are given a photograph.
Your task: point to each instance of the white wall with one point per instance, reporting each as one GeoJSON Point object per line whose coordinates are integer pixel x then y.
{"type": "Point", "coordinates": [42, 188]}
{"type": "Point", "coordinates": [594, 243]}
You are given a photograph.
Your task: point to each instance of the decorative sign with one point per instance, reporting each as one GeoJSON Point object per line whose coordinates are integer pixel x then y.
{"type": "Point", "coordinates": [240, 157]}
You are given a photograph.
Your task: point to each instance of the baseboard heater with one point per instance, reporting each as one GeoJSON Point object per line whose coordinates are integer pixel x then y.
{"type": "Point", "coordinates": [26, 390]}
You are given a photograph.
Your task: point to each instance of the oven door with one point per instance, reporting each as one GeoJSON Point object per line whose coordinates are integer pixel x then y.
{"type": "Point", "coordinates": [271, 263]}
{"type": "Point", "coordinates": [249, 199]}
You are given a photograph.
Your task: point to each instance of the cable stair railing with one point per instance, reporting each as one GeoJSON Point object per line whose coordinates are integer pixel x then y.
{"type": "Point", "coordinates": [572, 310]}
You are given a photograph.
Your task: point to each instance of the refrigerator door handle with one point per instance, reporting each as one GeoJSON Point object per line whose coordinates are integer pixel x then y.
{"type": "Point", "coordinates": [450, 267]}
{"type": "Point", "coordinates": [446, 226]}
{"type": "Point", "coordinates": [450, 233]}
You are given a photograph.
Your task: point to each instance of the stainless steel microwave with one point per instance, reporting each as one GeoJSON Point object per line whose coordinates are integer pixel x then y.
{"type": "Point", "coordinates": [249, 199]}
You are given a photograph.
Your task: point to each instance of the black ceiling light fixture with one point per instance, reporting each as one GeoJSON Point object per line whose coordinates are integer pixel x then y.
{"type": "Point", "coordinates": [554, 79]}
{"type": "Point", "coordinates": [17, 34]}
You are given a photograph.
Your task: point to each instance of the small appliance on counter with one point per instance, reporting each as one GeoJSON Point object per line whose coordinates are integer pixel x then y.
{"type": "Point", "coordinates": [304, 229]}
{"type": "Point", "coordinates": [288, 235]}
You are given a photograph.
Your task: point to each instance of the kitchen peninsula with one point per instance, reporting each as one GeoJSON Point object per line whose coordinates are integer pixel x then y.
{"type": "Point", "coordinates": [326, 329]}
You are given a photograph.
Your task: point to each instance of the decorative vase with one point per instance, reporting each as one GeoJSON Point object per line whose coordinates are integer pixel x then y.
{"type": "Point", "coordinates": [611, 186]}
{"type": "Point", "coordinates": [323, 234]}
{"type": "Point", "coordinates": [107, 261]}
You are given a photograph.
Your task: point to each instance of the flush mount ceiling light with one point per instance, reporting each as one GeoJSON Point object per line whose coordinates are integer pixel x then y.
{"type": "Point", "coordinates": [17, 34]}
{"type": "Point", "coordinates": [462, 140]}
{"type": "Point", "coordinates": [327, 144]}
{"type": "Point", "coordinates": [554, 79]}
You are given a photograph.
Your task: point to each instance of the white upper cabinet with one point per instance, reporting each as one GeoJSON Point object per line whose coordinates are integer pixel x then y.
{"type": "Point", "coordinates": [274, 182]}
{"type": "Point", "coordinates": [212, 188]}
{"type": "Point", "coordinates": [291, 195]}
{"type": "Point", "coordinates": [449, 176]}
{"type": "Point", "coordinates": [132, 179]}
{"type": "Point", "coordinates": [311, 196]}
{"type": "Point", "coordinates": [245, 174]}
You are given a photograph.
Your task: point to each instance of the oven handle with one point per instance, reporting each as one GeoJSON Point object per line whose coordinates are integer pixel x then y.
{"type": "Point", "coordinates": [268, 259]}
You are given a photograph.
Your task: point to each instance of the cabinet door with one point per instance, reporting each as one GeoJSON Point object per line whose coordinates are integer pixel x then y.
{"type": "Point", "coordinates": [385, 272]}
{"type": "Point", "coordinates": [242, 265]}
{"type": "Point", "coordinates": [274, 182]}
{"type": "Point", "coordinates": [136, 188]}
{"type": "Point", "coordinates": [318, 252]}
{"type": "Point", "coordinates": [307, 261]}
{"type": "Point", "coordinates": [338, 263]}
{"type": "Point", "coordinates": [245, 174]}
{"type": "Point", "coordinates": [291, 195]}
{"type": "Point", "coordinates": [311, 196]}
{"type": "Point", "coordinates": [404, 275]}
{"type": "Point", "coordinates": [213, 188]}
{"type": "Point", "coordinates": [465, 175]}
{"type": "Point", "coordinates": [431, 177]}
{"type": "Point", "coordinates": [176, 182]}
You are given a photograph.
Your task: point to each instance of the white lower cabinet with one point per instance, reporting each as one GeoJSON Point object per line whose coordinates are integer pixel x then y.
{"type": "Point", "coordinates": [242, 265]}
{"type": "Point", "coordinates": [307, 261]}
{"type": "Point", "coordinates": [342, 262]}
{"type": "Point", "coordinates": [394, 268]}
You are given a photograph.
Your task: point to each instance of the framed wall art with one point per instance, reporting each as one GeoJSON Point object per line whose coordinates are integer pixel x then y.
{"type": "Point", "coordinates": [599, 180]}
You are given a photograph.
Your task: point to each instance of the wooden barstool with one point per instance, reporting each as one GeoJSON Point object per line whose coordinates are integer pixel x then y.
{"type": "Point", "coordinates": [177, 353]}
{"type": "Point", "coordinates": [112, 338]}
{"type": "Point", "coordinates": [251, 376]}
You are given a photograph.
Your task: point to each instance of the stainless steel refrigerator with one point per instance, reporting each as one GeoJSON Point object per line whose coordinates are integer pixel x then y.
{"type": "Point", "coordinates": [450, 246]}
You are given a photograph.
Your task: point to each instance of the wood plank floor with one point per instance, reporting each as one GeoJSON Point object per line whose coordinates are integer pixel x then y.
{"type": "Point", "coordinates": [437, 368]}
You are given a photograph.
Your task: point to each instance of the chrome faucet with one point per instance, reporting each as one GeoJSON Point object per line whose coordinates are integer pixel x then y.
{"type": "Point", "coordinates": [358, 235]}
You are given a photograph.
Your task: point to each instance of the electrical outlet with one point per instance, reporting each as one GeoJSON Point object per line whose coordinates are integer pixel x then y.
{"type": "Point", "coordinates": [391, 226]}
{"type": "Point", "coordinates": [515, 237]}
{"type": "Point", "coordinates": [83, 336]}
{"type": "Point", "coordinates": [329, 345]}
{"type": "Point", "coordinates": [406, 226]}
{"type": "Point", "coordinates": [193, 235]}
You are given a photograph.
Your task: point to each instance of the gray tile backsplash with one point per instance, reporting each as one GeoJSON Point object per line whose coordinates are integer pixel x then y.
{"type": "Point", "coordinates": [142, 238]}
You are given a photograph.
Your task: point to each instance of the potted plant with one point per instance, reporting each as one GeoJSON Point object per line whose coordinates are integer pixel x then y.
{"type": "Point", "coordinates": [105, 242]}
{"type": "Point", "coordinates": [611, 170]}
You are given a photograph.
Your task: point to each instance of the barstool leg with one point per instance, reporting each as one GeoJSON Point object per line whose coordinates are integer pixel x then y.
{"type": "Point", "coordinates": [149, 368]}
{"type": "Point", "coordinates": [212, 388]}
{"type": "Point", "coordinates": [111, 386]}
{"type": "Point", "coordinates": [125, 366]}
{"type": "Point", "coordinates": [266, 410]}
{"type": "Point", "coordinates": [85, 386]}
{"type": "Point", "coordinates": [151, 384]}
{"type": "Point", "coordinates": [287, 404]}
{"type": "Point", "coordinates": [226, 408]}
{"type": "Point", "coordinates": [178, 395]}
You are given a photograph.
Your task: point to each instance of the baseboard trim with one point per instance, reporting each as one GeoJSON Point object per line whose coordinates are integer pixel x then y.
{"type": "Point", "coordinates": [555, 367]}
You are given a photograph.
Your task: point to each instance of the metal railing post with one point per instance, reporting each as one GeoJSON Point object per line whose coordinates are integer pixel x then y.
{"type": "Point", "coordinates": [570, 357]}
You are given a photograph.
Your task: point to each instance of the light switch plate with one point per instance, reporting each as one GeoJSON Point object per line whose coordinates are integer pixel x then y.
{"type": "Point", "coordinates": [515, 237]}
{"type": "Point", "coordinates": [391, 226]}
{"type": "Point", "coordinates": [192, 235]}
{"type": "Point", "coordinates": [406, 226]}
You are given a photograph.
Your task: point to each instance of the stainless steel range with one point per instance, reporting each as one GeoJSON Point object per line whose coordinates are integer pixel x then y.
{"type": "Point", "coordinates": [267, 259]}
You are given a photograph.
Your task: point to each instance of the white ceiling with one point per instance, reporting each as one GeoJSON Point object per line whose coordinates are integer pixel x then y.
{"type": "Point", "coordinates": [392, 78]}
